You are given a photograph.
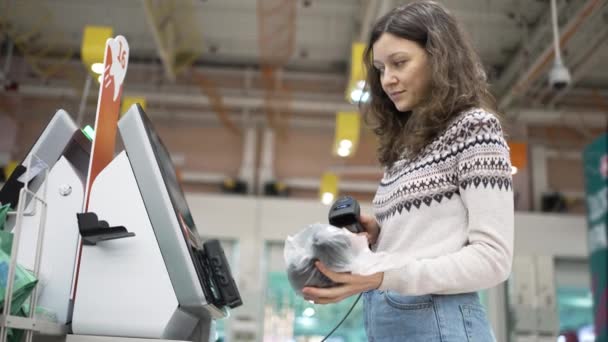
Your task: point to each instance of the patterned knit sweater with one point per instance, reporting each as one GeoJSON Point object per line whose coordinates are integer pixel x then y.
{"type": "Point", "coordinates": [446, 216]}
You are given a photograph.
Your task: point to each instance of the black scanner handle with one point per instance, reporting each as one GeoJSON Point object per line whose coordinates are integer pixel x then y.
{"type": "Point", "coordinates": [345, 213]}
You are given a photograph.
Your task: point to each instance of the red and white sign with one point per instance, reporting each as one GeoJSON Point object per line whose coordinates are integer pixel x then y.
{"type": "Point", "coordinates": [115, 62]}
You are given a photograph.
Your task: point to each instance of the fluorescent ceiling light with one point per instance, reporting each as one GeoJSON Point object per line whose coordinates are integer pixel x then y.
{"type": "Point", "coordinates": [328, 197]}
{"type": "Point", "coordinates": [346, 144]}
{"type": "Point", "coordinates": [97, 68]}
{"type": "Point", "coordinates": [343, 152]}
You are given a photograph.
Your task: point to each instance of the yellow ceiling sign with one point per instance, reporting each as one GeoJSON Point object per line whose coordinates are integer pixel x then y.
{"type": "Point", "coordinates": [355, 91]}
{"type": "Point", "coordinates": [328, 190]}
{"type": "Point", "coordinates": [128, 101]}
{"type": "Point", "coordinates": [9, 168]}
{"type": "Point", "coordinates": [94, 46]}
{"type": "Point", "coordinates": [348, 128]}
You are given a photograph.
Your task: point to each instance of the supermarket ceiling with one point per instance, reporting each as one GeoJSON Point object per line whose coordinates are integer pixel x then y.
{"type": "Point", "coordinates": [313, 37]}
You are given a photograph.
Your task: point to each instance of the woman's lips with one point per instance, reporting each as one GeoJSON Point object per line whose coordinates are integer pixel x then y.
{"type": "Point", "coordinates": [396, 93]}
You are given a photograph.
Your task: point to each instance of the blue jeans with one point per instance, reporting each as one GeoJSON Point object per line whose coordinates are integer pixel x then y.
{"type": "Point", "coordinates": [392, 317]}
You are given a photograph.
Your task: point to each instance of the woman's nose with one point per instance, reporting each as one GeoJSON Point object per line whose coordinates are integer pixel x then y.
{"type": "Point", "coordinates": [388, 79]}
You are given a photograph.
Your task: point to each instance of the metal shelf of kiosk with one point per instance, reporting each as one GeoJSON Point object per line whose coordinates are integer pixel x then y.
{"type": "Point", "coordinates": [26, 192]}
{"type": "Point", "coordinates": [199, 273]}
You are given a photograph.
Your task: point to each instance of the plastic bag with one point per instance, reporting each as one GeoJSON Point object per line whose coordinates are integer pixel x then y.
{"type": "Point", "coordinates": [24, 280]}
{"type": "Point", "coordinates": [3, 214]}
{"type": "Point", "coordinates": [22, 287]}
{"type": "Point", "coordinates": [337, 248]}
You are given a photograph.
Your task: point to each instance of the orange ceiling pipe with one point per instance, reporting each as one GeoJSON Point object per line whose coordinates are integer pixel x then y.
{"type": "Point", "coordinates": [215, 99]}
{"type": "Point", "coordinates": [276, 31]}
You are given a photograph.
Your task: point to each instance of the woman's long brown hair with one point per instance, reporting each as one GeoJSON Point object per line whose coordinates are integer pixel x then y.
{"type": "Point", "coordinates": [458, 80]}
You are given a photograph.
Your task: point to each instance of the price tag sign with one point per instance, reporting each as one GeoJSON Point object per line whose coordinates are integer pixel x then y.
{"type": "Point", "coordinates": [115, 62]}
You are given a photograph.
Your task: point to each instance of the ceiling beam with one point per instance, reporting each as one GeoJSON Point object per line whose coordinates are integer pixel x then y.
{"type": "Point", "coordinates": [530, 42]}
{"type": "Point", "coordinates": [192, 98]}
{"type": "Point", "coordinates": [541, 62]}
{"type": "Point", "coordinates": [343, 185]}
{"type": "Point", "coordinates": [19, 71]}
{"type": "Point", "coordinates": [162, 27]}
{"type": "Point", "coordinates": [569, 117]}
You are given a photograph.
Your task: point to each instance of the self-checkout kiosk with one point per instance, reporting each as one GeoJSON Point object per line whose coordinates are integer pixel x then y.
{"type": "Point", "coordinates": [159, 280]}
{"type": "Point", "coordinates": [143, 271]}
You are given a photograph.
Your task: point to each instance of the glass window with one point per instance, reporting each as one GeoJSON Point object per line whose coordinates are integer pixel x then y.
{"type": "Point", "coordinates": [575, 307]}
{"type": "Point", "coordinates": [574, 300]}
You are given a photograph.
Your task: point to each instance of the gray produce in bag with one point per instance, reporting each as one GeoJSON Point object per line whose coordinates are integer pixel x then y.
{"type": "Point", "coordinates": [337, 248]}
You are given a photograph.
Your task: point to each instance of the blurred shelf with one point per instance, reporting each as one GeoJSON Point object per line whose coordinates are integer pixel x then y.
{"type": "Point", "coordinates": [40, 326]}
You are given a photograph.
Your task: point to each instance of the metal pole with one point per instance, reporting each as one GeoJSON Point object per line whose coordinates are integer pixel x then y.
{"type": "Point", "coordinates": [7, 61]}
{"type": "Point", "coordinates": [39, 244]}
{"type": "Point", "coordinates": [83, 100]}
{"type": "Point", "coordinates": [13, 263]}
{"type": "Point", "coordinates": [9, 51]}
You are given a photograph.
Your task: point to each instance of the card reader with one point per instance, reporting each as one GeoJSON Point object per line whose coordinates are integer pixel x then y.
{"type": "Point", "coordinates": [217, 265]}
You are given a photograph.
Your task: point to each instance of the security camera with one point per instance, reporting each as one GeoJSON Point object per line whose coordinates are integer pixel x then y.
{"type": "Point", "coordinates": [559, 76]}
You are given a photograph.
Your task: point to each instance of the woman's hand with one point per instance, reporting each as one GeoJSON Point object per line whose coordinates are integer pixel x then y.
{"type": "Point", "coordinates": [372, 228]}
{"type": "Point", "coordinates": [349, 284]}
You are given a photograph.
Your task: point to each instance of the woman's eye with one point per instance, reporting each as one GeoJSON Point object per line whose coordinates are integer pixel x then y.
{"type": "Point", "coordinates": [400, 63]}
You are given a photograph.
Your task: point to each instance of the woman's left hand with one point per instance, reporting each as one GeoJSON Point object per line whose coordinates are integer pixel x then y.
{"type": "Point", "coordinates": [349, 284]}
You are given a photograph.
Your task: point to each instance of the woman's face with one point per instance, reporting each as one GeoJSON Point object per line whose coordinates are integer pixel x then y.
{"type": "Point", "coordinates": [404, 70]}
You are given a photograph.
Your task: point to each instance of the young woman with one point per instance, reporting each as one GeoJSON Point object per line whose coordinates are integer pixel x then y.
{"type": "Point", "coordinates": [444, 207]}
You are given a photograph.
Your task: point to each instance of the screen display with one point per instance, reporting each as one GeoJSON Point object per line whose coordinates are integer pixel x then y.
{"type": "Point", "coordinates": [181, 209]}
{"type": "Point", "coordinates": [173, 187]}
{"type": "Point", "coordinates": [184, 254]}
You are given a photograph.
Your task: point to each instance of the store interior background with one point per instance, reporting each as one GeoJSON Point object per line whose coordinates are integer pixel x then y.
{"type": "Point", "coordinates": [245, 95]}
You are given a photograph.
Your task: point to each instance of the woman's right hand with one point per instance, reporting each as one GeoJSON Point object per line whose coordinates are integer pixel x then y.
{"type": "Point", "coordinates": [371, 226]}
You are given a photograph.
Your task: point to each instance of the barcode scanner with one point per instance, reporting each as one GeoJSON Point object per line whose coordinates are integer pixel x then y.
{"type": "Point", "coordinates": [344, 213]}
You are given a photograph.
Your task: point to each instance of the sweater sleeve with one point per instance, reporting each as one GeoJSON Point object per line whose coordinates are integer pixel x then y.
{"type": "Point", "coordinates": [483, 172]}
